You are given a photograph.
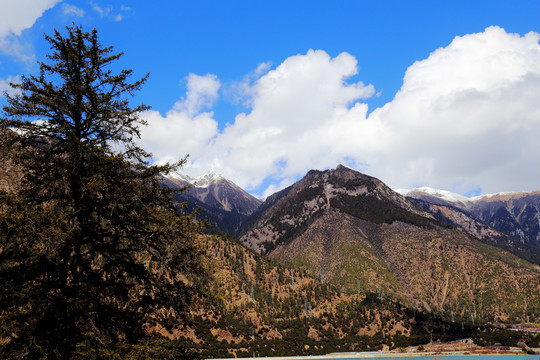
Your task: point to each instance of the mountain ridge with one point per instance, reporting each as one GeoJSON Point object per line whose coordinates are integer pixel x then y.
{"type": "Point", "coordinates": [224, 204]}
{"type": "Point", "coordinates": [323, 191]}
{"type": "Point", "coordinates": [515, 214]}
{"type": "Point", "coordinates": [355, 232]}
{"type": "Point", "coordinates": [455, 197]}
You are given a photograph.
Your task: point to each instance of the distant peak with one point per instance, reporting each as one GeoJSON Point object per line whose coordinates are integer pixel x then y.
{"type": "Point", "coordinates": [441, 194]}
{"type": "Point", "coordinates": [207, 179]}
{"type": "Point", "coordinates": [501, 196]}
{"type": "Point", "coordinates": [201, 181]}
{"type": "Point", "coordinates": [453, 197]}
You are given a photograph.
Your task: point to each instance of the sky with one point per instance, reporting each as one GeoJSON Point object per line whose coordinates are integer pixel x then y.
{"type": "Point", "coordinates": [444, 94]}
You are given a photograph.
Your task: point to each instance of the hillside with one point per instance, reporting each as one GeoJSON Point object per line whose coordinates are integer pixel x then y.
{"type": "Point", "coordinates": [251, 306]}
{"type": "Point", "coordinates": [353, 231]}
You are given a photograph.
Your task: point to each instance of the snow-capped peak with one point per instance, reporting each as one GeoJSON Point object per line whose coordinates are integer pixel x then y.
{"type": "Point", "coordinates": [499, 195]}
{"type": "Point", "coordinates": [201, 181]}
{"type": "Point", "coordinates": [457, 198]}
{"type": "Point", "coordinates": [207, 179]}
{"type": "Point", "coordinates": [182, 177]}
{"type": "Point", "coordinates": [441, 194]}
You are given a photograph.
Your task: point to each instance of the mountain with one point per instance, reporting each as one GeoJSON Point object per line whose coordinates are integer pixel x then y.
{"type": "Point", "coordinates": [344, 231]}
{"type": "Point", "coordinates": [354, 232]}
{"type": "Point", "coordinates": [517, 214]}
{"type": "Point", "coordinates": [289, 212]}
{"type": "Point", "coordinates": [513, 219]}
{"type": "Point", "coordinates": [221, 202]}
{"type": "Point", "coordinates": [434, 196]}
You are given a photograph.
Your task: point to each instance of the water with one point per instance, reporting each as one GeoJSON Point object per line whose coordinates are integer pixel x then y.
{"type": "Point", "coordinates": [364, 356]}
{"type": "Point", "coordinates": [444, 357]}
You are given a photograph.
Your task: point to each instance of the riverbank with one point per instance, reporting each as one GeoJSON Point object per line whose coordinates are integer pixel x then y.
{"type": "Point", "coordinates": [391, 354]}
{"type": "Point", "coordinates": [464, 347]}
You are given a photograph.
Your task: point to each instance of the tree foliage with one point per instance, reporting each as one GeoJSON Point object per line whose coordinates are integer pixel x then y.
{"type": "Point", "coordinates": [91, 246]}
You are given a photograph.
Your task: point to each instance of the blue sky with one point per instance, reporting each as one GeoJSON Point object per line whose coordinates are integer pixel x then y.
{"type": "Point", "coordinates": [263, 91]}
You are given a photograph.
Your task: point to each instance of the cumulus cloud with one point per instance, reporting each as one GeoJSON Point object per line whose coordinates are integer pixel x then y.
{"type": "Point", "coordinates": [185, 129]}
{"type": "Point", "coordinates": [465, 118]}
{"type": "Point", "coordinates": [6, 88]}
{"type": "Point", "coordinates": [242, 92]}
{"type": "Point", "coordinates": [17, 16]}
{"type": "Point", "coordinates": [296, 111]}
{"type": "Point", "coordinates": [202, 92]}
{"type": "Point", "coordinates": [299, 112]}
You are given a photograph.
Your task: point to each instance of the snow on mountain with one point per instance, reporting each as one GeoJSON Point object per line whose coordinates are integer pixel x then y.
{"type": "Point", "coordinates": [201, 181]}
{"type": "Point", "coordinates": [457, 198]}
{"type": "Point", "coordinates": [500, 196]}
{"type": "Point", "coordinates": [441, 194]}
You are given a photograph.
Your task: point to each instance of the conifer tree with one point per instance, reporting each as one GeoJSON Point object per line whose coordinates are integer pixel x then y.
{"type": "Point", "coordinates": [91, 245]}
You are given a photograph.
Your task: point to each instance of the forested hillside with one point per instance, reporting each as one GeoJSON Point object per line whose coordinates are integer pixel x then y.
{"type": "Point", "coordinates": [254, 306]}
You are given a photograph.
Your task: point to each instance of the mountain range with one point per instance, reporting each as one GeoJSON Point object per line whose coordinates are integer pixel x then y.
{"type": "Point", "coordinates": [358, 234]}
{"type": "Point", "coordinates": [516, 214]}
{"type": "Point", "coordinates": [339, 261]}
{"type": "Point", "coordinates": [221, 202]}
{"type": "Point", "coordinates": [510, 221]}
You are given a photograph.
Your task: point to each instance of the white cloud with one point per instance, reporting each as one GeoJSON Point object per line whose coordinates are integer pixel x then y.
{"type": "Point", "coordinates": [298, 112]}
{"type": "Point", "coordinates": [242, 92]}
{"type": "Point", "coordinates": [16, 16]}
{"type": "Point", "coordinates": [10, 45]}
{"type": "Point", "coordinates": [101, 10]}
{"type": "Point", "coordinates": [72, 10]}
{"type": "Point", "coordinates": [176, 135]}
{"type": "Point", "coordinates": [466, 117]}
{"type": "Point", "coordinates": [6, 88]}
{"type": "Point", "coordinates": [202, 93]}
{"type": "Point", "coordinates": [19, 15]}
{"type": "Point", "coordinates": [185, 129]}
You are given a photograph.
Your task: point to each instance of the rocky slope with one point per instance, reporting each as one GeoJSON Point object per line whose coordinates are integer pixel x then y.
{"type": "Point", "coordinates": [353, 231]}
{"type": "Point", "coordinates": [287, 214]}
{"type": "Point", "coordinates": [517, 214]}
{"type": "Point", "coordinates": [221, 201]}
{"type": "Point", "coordinates": [508, 220]}
{"type": "Point", "coordinates": [480, 230]}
